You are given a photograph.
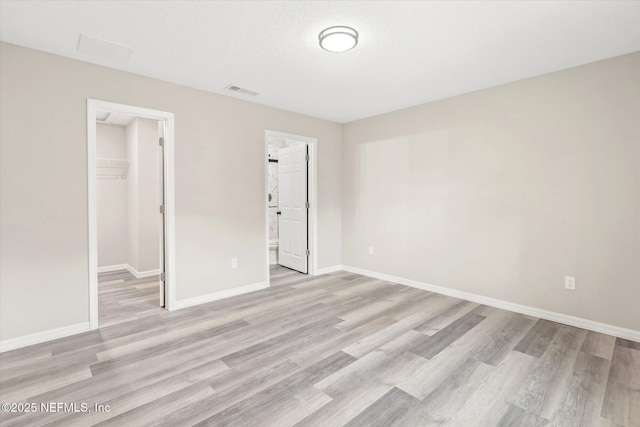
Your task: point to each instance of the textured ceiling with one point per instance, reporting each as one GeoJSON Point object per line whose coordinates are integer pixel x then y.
{"type": "Point", "coordinates": [409, 52]}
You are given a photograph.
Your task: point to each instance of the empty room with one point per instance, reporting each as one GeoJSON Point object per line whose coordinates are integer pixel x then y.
{"type": "Point", "coordinates": [320, 213]}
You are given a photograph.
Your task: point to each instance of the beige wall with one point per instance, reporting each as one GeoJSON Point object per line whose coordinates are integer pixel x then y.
{"type": "Point", "coordinates": [111, 195]}
{"type": "Point", "coordinates": [143, 201]}
{"type": "Point", "coordinates": [148, 181]}
{"type": "Point", "coordinates": [505, 191]}
{"type": "Point", "coordinates": [219, 185]}
{"type": "Point", "coordinates": [133, 199]}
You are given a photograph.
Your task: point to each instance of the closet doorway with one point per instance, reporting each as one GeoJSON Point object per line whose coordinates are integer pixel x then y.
{"type": "Point", "coordinates": [130, 152]}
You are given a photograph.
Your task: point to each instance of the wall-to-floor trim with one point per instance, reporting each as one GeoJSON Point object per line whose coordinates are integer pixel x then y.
{"type": "Point", "coordinates": [114, 267]}
{"type": "Point", "coordinates": [137, 274]}
{"type": "Point", "coordinates": [143, 274]}
{"type": "Point", "coordinates": [328, 270]}
{"type": "Point", "coordinates": [40, 337]}
{"type": "Point", "coordinates": [189, 302]}
{"type": "Point", "coordinates": [578, 322]}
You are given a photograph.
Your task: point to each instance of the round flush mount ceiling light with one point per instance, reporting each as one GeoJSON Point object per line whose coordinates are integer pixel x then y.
{"type": "Point", "coordinates": [338, 39]}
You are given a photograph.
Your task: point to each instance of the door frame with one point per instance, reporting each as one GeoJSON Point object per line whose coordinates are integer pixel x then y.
{"type": "Point", "coordinates": [312, 195]}
{"type": "Point", "coordinates": [93, 105]}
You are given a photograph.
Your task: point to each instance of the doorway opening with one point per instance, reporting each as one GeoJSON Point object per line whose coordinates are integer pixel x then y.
{"type": "Point", "coordinates": [291, 204]}
{"type": "Point", "coordinates": [130, 176]}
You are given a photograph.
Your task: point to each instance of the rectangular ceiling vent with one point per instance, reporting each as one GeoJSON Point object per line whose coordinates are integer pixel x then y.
{"type": "Point", "coordinates": [242, 90]}
{"type": "Point", "coordinates": [104, 49]}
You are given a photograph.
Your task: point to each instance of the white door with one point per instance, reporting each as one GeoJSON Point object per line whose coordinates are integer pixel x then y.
{"type": "Point", "coordinates": [292, 180]}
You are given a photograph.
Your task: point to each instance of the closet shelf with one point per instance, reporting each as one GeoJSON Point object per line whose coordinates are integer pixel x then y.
{"type": "Point", "coordinates": [111, 168]}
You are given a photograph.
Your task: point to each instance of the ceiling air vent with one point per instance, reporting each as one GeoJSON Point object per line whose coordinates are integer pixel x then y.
{"type": "Point", "coordinates": [242, 90]}
{"type": "Point", "coordinates": [104, 49]}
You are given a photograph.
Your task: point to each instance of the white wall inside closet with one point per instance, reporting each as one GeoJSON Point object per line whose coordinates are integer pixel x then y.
{"type": "Point", "coordinates": [129, 223]}
{"type": "Point", "coordinates": [111, 143]}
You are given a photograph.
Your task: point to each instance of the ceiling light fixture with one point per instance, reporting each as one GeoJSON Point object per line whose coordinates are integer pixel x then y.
{"type": "Point", "coordinates": [338, 39]}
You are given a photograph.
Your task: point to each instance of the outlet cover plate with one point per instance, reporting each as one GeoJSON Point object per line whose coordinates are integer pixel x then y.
{"type": "Point", "coordinates": [570, 283]}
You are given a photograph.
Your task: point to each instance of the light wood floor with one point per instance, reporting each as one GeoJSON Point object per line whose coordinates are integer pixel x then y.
{"type": "Point", "coordinates": [332, 350]}
{"type": "Point", "coordinates": [122, 297]}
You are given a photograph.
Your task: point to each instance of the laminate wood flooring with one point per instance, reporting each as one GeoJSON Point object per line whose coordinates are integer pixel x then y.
{"type": "Point", "coordinates": [331, 350]}
{"type": "Point", "coordinates": [123, 298]}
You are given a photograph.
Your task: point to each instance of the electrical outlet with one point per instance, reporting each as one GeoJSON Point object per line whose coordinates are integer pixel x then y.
{"type": "Point", "coordinates": [570, 283]}
{"type": "Point", "coordinates": [234, 262]}
{"type": "Point", "coordinates": [370, 250]}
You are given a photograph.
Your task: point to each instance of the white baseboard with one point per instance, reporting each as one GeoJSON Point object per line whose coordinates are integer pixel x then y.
{"type": "Point", "coordinates": [110, 268]}
{"type": "Point", "coordinates": [40, 337]}
{"type": "Point", "coordinates": [143, 274]}
{"type": "Point", "coordinates": [189, 302]}
{"type": "Point", "coordinates": [327, 270]}
{"type": "Point", "coordinates": [137, 274]}
{"type": "Point", "coordinates": [578, 322]}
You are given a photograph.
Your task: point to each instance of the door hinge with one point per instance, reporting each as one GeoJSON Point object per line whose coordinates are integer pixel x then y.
{"type": "Point", "coordinates": [308, 252]}
{"type": "Point", "coordinates": [307, 205]}
{"type": "Point", "coordinates": [161, 142]}
{"type": "Point", "coordinates": [162, 277]}
{"type": "Point", "coordinates": [162, 209]}
{"type": "Point", "coordinates": [306, 157]}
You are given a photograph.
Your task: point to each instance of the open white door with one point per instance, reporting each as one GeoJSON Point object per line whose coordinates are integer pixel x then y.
{"type": "Point", "coordinates": [292, 180]}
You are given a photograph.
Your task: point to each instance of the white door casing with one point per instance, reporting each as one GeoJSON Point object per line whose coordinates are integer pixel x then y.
{"type": "Point", "coordinates": [292, 221]}
{"type": "Point", "coordinates": [161, 281]}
